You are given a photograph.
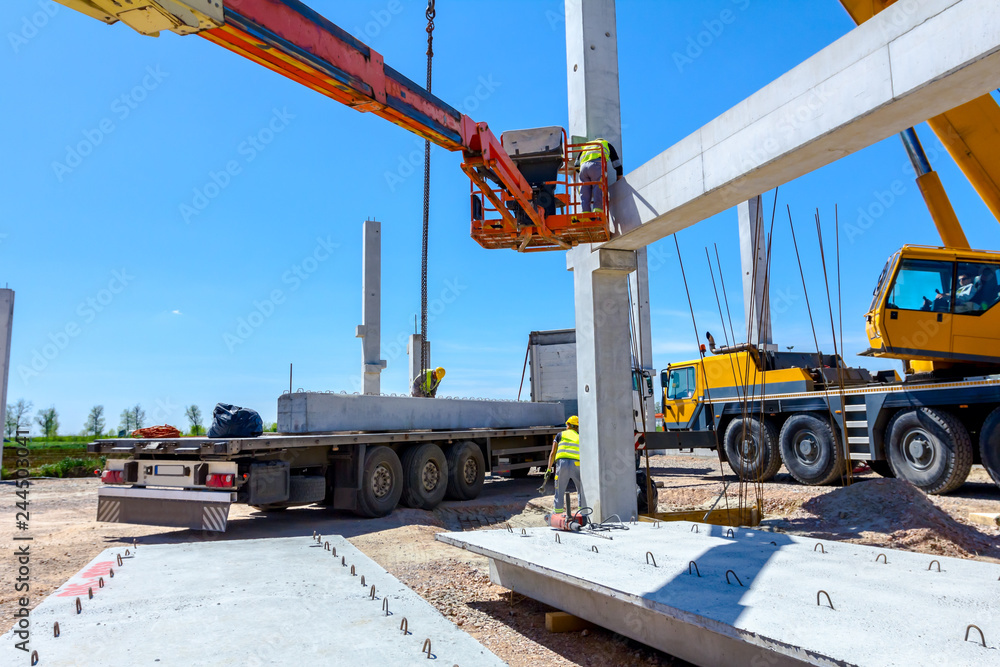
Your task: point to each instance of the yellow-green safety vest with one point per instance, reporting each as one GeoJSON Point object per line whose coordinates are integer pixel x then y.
{"type": "Point", "coordinates": [594, 150]}
{"type": "Point", "coordinates": [569, 445]}
{"type": "Point", "coordinates": [429, 382]}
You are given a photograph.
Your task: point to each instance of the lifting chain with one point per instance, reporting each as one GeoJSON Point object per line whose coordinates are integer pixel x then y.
{"type": "Point", "coordinates": [424, 361]}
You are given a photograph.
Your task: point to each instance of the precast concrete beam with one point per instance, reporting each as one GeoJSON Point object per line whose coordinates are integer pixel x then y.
{"type": "Point", "coordinates": [413, 349]}
{"type": "Point", "coordinates": [914, 60]}
{"type": "Point", "coordinates": [604, 378]}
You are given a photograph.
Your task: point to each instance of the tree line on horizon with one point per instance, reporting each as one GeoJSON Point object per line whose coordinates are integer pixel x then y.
{"type": "Point", "coordinates": [18, 417]}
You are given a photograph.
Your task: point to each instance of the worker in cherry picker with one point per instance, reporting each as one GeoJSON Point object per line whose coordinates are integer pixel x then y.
{"type": "Point", "coordinates": [588, 169]}
{"type": "Point", "coordinates": [565, 456]}
{"type": "Point", "coordinates": [426, 384]}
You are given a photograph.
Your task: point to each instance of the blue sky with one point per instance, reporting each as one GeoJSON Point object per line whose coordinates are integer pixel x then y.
{"type": "Point", "coordinates": [125, 296]}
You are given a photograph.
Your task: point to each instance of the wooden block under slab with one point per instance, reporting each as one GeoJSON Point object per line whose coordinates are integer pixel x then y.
{"type": "Point", "coordinates": [560, 621]}
{"type": "Point", "coordinates": [986, 518]}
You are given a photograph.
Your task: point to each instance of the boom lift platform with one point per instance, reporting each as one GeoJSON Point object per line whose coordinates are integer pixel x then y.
{"type": "Point", "coordinates": [538, 211]}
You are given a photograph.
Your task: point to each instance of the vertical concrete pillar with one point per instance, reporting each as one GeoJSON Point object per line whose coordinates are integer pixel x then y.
{"type": "Point", "coordinates": [604, 368]}
{"type": "Point", "coordinates": [6, 328]}
{"type": "Point", "coordinates": [370, 330]}
{"type": "Point", "coordinates": [602, 291]}
{"type": "Point", "coordinates": [413, 349]}
{"type": "Point", "coordinates": [753, 258]}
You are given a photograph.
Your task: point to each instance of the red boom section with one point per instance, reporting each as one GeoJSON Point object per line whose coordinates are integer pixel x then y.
{"type": "Point", "coordinates": [293, 40]}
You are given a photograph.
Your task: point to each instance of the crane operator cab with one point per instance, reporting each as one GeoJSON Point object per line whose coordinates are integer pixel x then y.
{"type": "Point", "coordinates": [937, 307]}
{"type": "Point", "coordinates": [546, 160]}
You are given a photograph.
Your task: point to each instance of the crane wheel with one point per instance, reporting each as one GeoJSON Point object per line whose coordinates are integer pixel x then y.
{"type": "Point", "coordinates": [929, 448]}
{"type": "Point", "coordinates": [809, 450]}
{"type": "Point", "coordinates": [752, 449]}
{"type": "Point", "coordinates": [989, 445]}
{"type": "Point", "coordinates": [425, 476]}
{"type": "Point", "coordinates": [381, 482]}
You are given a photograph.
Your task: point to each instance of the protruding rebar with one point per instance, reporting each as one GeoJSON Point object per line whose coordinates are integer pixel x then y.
{"type": "Point", "coordinates": [695, 566]}
{"type": "Point", "coordinates": [982, 637]}
{"type": "Point", "coordinates": [932, 563]}
{"type": "Point", "coordinates": [649, 555]}
{"type": "Point", "coordinates": [819, 545]}
{"type": "Point", "coordinates": [404, 626]}
{"type": "Point", "coordinates": [730, 572]}
{"type": "Point", "coordinates": [79, 606]}
{"type": "Point", "coordinates": [828, 600]}
{"type": "Point", "coordinates": [883, 557]}
{"type": "Point", "coordinates": [427, 648]}
{"type": "Point", "coordinates": [55, 629]}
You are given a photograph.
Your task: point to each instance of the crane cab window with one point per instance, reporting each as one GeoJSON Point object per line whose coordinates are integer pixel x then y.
{"type": "Point", "coordinates": [681, 384]}
{"type": "Point", "coordinates": [976, 288]}
{"type": "Point", "coordinates": [922, 285]}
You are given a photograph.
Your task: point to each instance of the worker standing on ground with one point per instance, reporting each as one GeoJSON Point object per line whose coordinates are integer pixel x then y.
{"type": "Point", "coordinates": [588, 168]}
{"type": "Point", "coordinates": [426, 384]}
{"type": "Point", "coordinates": [565, 455]}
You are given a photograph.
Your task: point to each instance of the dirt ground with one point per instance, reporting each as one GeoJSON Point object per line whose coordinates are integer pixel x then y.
{"type": "Point", "coordinates": [873, 511]}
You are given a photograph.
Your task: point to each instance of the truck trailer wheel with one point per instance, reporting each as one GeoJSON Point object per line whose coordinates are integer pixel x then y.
{"type": "Point", "coordinates": [752, 452]}
{"type": "Point", "coordinates": [466, 471]}
{"type": "Point", "coordinates": [989, 445]}
{"type": "Point", "coordinates": [930, 449]}
{"type": "Point", "coordinates": [425, 476]}
{"type": "Point", "coordinates": [810, 451]}
{"type": "Point", "coordinates": [381, 482]}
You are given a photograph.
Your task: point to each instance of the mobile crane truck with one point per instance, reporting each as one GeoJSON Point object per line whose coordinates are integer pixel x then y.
{"type": "Point", "coordinates": [934, 308]}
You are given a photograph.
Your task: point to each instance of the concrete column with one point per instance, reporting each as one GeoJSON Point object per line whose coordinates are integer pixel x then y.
{"type": "Point", "coordinates": [605, 424]}
{"type": "Point", "coordinates": [604, 367]}
{"type": "Point", "coordinates": [370, 331]}
{"type": "Point", "coordinates": [6, 328]}
{"type": "Point", "coordinates": [753, 256]}
{"type": "Point", "coordinates": [413, 349]}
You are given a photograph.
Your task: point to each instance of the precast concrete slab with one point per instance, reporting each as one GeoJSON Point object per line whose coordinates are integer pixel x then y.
{"type": "Point", "coordinates": [748, 597]}
{"type": "Point", "coordinates": [318, 412]}
{"type": "Point", "coordinates": [287, 601]}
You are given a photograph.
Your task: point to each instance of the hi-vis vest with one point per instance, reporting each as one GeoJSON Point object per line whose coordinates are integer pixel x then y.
{"type": "Point", "coordinates": [430, 384]}
{"type": "Point", "coordinates": [569, 445]}
{"type": "Point", "coordinates": [594, 150]}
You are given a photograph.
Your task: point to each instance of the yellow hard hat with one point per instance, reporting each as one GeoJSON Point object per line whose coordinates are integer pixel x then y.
{"type": "Point", "coordinates": [573, 421]}
{"type": "Point", "coordinates": [439, 372]}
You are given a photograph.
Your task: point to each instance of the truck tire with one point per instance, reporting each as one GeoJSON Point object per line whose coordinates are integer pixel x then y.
{"type": "Point", "coordinates": [881, 468]}
{"type": "Point", "coordinates": [758, 459]}
{"type": "Point", "coordinates": [466, 471]}
{"type": "Point", "coordinates": [989, 445]}
{"type": "Point", "coordinates": [810, 450]}
{"type": "Point", "coordinates": [930, 449]}
{"type": "Point", "coordinates": [381, 482]}
{"type": "Point", "coordinates": [425, 476]}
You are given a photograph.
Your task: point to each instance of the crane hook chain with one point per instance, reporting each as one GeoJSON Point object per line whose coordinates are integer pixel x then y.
{"type": "Point", "coordinates": [424, 362]}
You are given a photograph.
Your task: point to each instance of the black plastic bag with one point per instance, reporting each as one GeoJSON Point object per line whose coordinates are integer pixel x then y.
{"type": "Point", "coordinates": [231, 421]}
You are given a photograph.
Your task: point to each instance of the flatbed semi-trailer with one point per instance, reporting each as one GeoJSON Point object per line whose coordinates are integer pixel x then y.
{"type": "Point", "coordinates": [192, 481]}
